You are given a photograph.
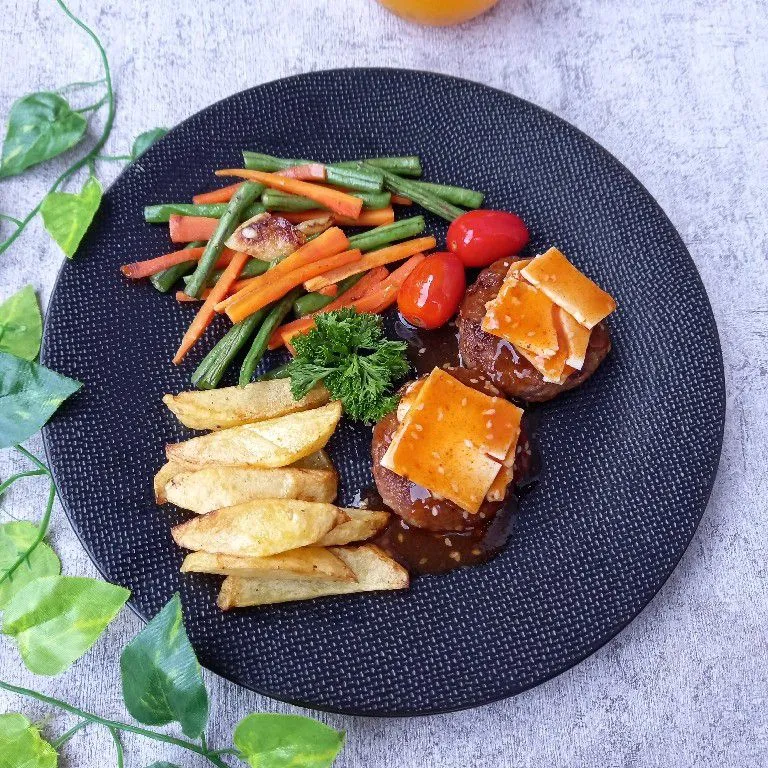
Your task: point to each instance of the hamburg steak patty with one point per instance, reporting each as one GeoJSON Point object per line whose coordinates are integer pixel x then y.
{"type": "Point", "coordinates": [499, 360]}
{"type": "Point", "coordinates": [415, 504]}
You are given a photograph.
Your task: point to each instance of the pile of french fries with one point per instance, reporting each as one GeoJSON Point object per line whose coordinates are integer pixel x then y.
{"type": "Point", "coordinates": [262, 488]}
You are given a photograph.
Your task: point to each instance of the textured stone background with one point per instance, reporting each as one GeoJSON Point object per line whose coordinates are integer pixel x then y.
{"type": "Point", "coordinates": [679, 93]}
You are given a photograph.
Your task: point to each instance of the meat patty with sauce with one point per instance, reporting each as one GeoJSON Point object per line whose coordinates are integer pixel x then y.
{"type": "Point", "coordinates": [414, 503]}
{"type": "Point", "coordinates": [499, 360]}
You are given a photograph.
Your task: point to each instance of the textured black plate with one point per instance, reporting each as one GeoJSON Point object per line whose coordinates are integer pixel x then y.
{"type": "Point", "coordinates": [630, 458]}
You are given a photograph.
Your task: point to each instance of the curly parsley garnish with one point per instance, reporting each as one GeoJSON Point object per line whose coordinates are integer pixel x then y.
{"type": "Point", "coordinates": [348, 353]}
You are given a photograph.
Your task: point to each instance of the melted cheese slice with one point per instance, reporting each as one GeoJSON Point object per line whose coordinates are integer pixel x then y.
{"type": "Point", "coordinates": [522, 315]}
{"type": "Point", "coordinates": [453, 440]}
{"type": "Point", "coordinates": [569, 288]}
{"type": "Point", "coordinates": [576, 338]}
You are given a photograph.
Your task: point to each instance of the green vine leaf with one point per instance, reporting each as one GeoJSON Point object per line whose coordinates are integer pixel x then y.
{"type": "Point", "coordinates": [29, 395]}
{"type": "Point", "coordinates": [286, 741]}
{"type": "Point", "coordinates": [15, 539]}
{"type": "Point", "coordinates": [21, 324]}
{"type": "Point", "coordinates": [40, 126]}
{"type": "Point", "coordinates": [56, 619]}
{"type": "Point", "coordinates": [22, 746]}
{"type": "Point", "coordinates": [145, 140]}
{"type": "Point", "coordinates": [67, 216]}
{"type": "Point", "coordinates": [161, 764]}
{"type": "Point", "coordinates": [162, 682]}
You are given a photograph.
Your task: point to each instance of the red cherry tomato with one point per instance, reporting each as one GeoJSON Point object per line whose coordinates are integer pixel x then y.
{"type": "Point", "coordinates": [431, 294]}
{"type": "Point", "coordinates": [479, 238]}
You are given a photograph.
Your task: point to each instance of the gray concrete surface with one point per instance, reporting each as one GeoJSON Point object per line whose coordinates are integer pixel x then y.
{"type": "Point", "coordinates": [679, 93]}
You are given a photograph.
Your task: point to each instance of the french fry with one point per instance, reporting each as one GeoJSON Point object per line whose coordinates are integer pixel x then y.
{"type": "Point", "coordinates": [362, 525]}
{"type": "Point", "coordinates": [308, 562]}
{"type": "Point", "coordinates": [259, 528]}
{"type": "Point", "coordinates": [214, 487]}
{"type": "Point", "coordinates": [164, 475]}
{"type": "Point", "coordinates": [373, 568]}
{"type": "Point", "coordinates": [265, 444]}
{"type": "Point", "coordinates": [233, 406]}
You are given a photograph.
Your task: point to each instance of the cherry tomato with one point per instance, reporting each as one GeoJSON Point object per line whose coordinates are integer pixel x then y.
{"type": "Point", "coordinates": [431, 294]}
{"type": "Point", "coordinates": [479, 238]}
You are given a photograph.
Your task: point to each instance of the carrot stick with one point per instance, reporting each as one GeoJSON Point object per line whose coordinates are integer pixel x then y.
{"type": "Point", "coordinates": [375, 218]}
{"type": "Point", "coordinates": [308, 172]}
{"type": "Point", "coordinates": [329, 290]}
{"type": "Point", "coordinates": [329, 243]}
{"type": "Point", "coordinates": [223, 195]}
{"type": "Point", "coordinates": [332, 199]}
{"type": "Point", "coordinates": [207, 312]}
{"type": "Point", "coordinates": [277, 287]}
{"type": "Point", "coordinates": [397, 277]}
{"type": "Point", "coordinates": [185, 297]}
{"type": "Point", "coordinates": [149, 267]}
{"type": "Point", "coordinates": [401, 200]}
{"type": "Point", "coordinates": [185, 229]}
{"type": "Point", "coordinates": [373, 259]}
{"type": "Point", "coordinates": [367, 283]}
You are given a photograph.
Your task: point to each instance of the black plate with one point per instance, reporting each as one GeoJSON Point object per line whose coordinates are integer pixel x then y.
{"type": "Point", "coordinates": [630, 458]}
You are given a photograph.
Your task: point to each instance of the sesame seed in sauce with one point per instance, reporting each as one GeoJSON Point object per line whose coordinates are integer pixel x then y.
{"type": "Point", "coordinates": [434, 511]}
{"type": "Point", "coordinates": [473, 381]}
{"type": "Point", "coordinates": [455, 556]}
{"type": "Point", "coordinates": [463, 401]}
{"type": "Point", "coordinates": [489, 412]}
{"type": "Point", "coordinates": [489, 423]}
{"type": "Point", "coordinates": [447, 542]}
{"type": "Point", "coordinates": [423, 561]}
{"type": "Point", "coordinates": [468, 443]}
{"type": "Point", "coordinates": [435, 455]}
{"type": "Point", "coordinates": [400, 537]}
{"type": "Point", "coordinates": [476, 552]}
{"type": "Point", "coordinates": [418, 427]}
{"type": "Point", "coordinates": [440, 469]}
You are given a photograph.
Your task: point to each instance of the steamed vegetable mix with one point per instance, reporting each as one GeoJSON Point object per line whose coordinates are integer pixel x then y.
{"type": "Point", "coordinates": [269, 252]}
{"type": "Point", "coordinates": [244, 196]}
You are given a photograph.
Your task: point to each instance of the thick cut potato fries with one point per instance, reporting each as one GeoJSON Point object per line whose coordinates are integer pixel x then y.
{"type": "Point", "coordinates": [310, 562]}
{"type": "Point", "coordinates": [232, 406]}
{"type": "Point", "coordinates": [362, 524]}
{"type": "Point", "coordinates": [373, 569]}
{"type": "Point", "coordinates": [164, 475]}
{"type": "Point", "coordinates": [212, 488]}
{"type": "Point", "coordinates": [259, 528]}
{"type": "Point", "coordinates": [265, 444]}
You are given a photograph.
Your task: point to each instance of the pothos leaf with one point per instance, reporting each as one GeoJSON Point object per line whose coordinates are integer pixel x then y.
{"type": "Point", "coordinates": [56, 619]}
{"type": "Point", "coordinates": [40, 126]}
{"type": "Point", "coordinates": [22, 746]}
{"type": "Point", "coordinates": [15, 539]}
{"type": "Point", "coordinates": [286, 741]}
{"type": "Point", "coordinates": [67, 216]}
{"type": "Point", "coordinates": [145, 140]}
{"type": "Point", "coordinates": [29, 396]}
{"type": "Point", "coordinates": [162, 682]}
{"type": "Point", "coordinates": [21, 325]}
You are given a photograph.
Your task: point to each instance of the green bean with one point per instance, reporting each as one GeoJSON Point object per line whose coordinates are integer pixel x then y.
{"type": "Point", "coordinates": [165, 280]}
{"type": "Point", "coordinates": [243, 198]}
{"type": "Point", "coordinates": [259, 346]}
{"type": "Point", "coordinates": [281, 372]}
{"type": "Point", "coordinates": [387, 233]}
{"type": "Point", "coordinates": [275, 200]}
{"type": "Point", "coordinates": [402, 166]}
{"type": "Point", "coordinates": [311, 302]}
{"type": "Point", "coordinates": [208, 374]}
{"type": "Point", "coordinates": [469, 198]}
{"type": "Point", "coordinates": [350, 176]}
{"type": "Point", "coordinates": [159, 214]}
{"type": "Point", "coordinates": [424, 198]}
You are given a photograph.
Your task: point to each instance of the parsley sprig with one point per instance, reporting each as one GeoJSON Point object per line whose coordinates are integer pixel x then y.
{"type": "Point", "coordinates": [348, 353]}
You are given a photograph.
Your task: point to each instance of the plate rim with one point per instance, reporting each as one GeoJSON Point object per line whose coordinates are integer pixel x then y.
{"type": "Point", "coordinates": [709, 317]}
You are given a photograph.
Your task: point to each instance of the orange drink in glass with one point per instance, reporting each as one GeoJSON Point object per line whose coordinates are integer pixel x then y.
{"type": "Point", "coordinates": [439, 13]}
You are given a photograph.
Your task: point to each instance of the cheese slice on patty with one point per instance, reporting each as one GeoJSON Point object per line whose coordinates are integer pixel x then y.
{"type": "Point", "coordinates": [453, 440]}
{"type": "Point", "coordinates": [569, 288]}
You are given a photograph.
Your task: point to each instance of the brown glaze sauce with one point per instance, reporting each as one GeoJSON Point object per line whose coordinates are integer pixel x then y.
{"type": "Point", "coordinates": [422, 551]}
